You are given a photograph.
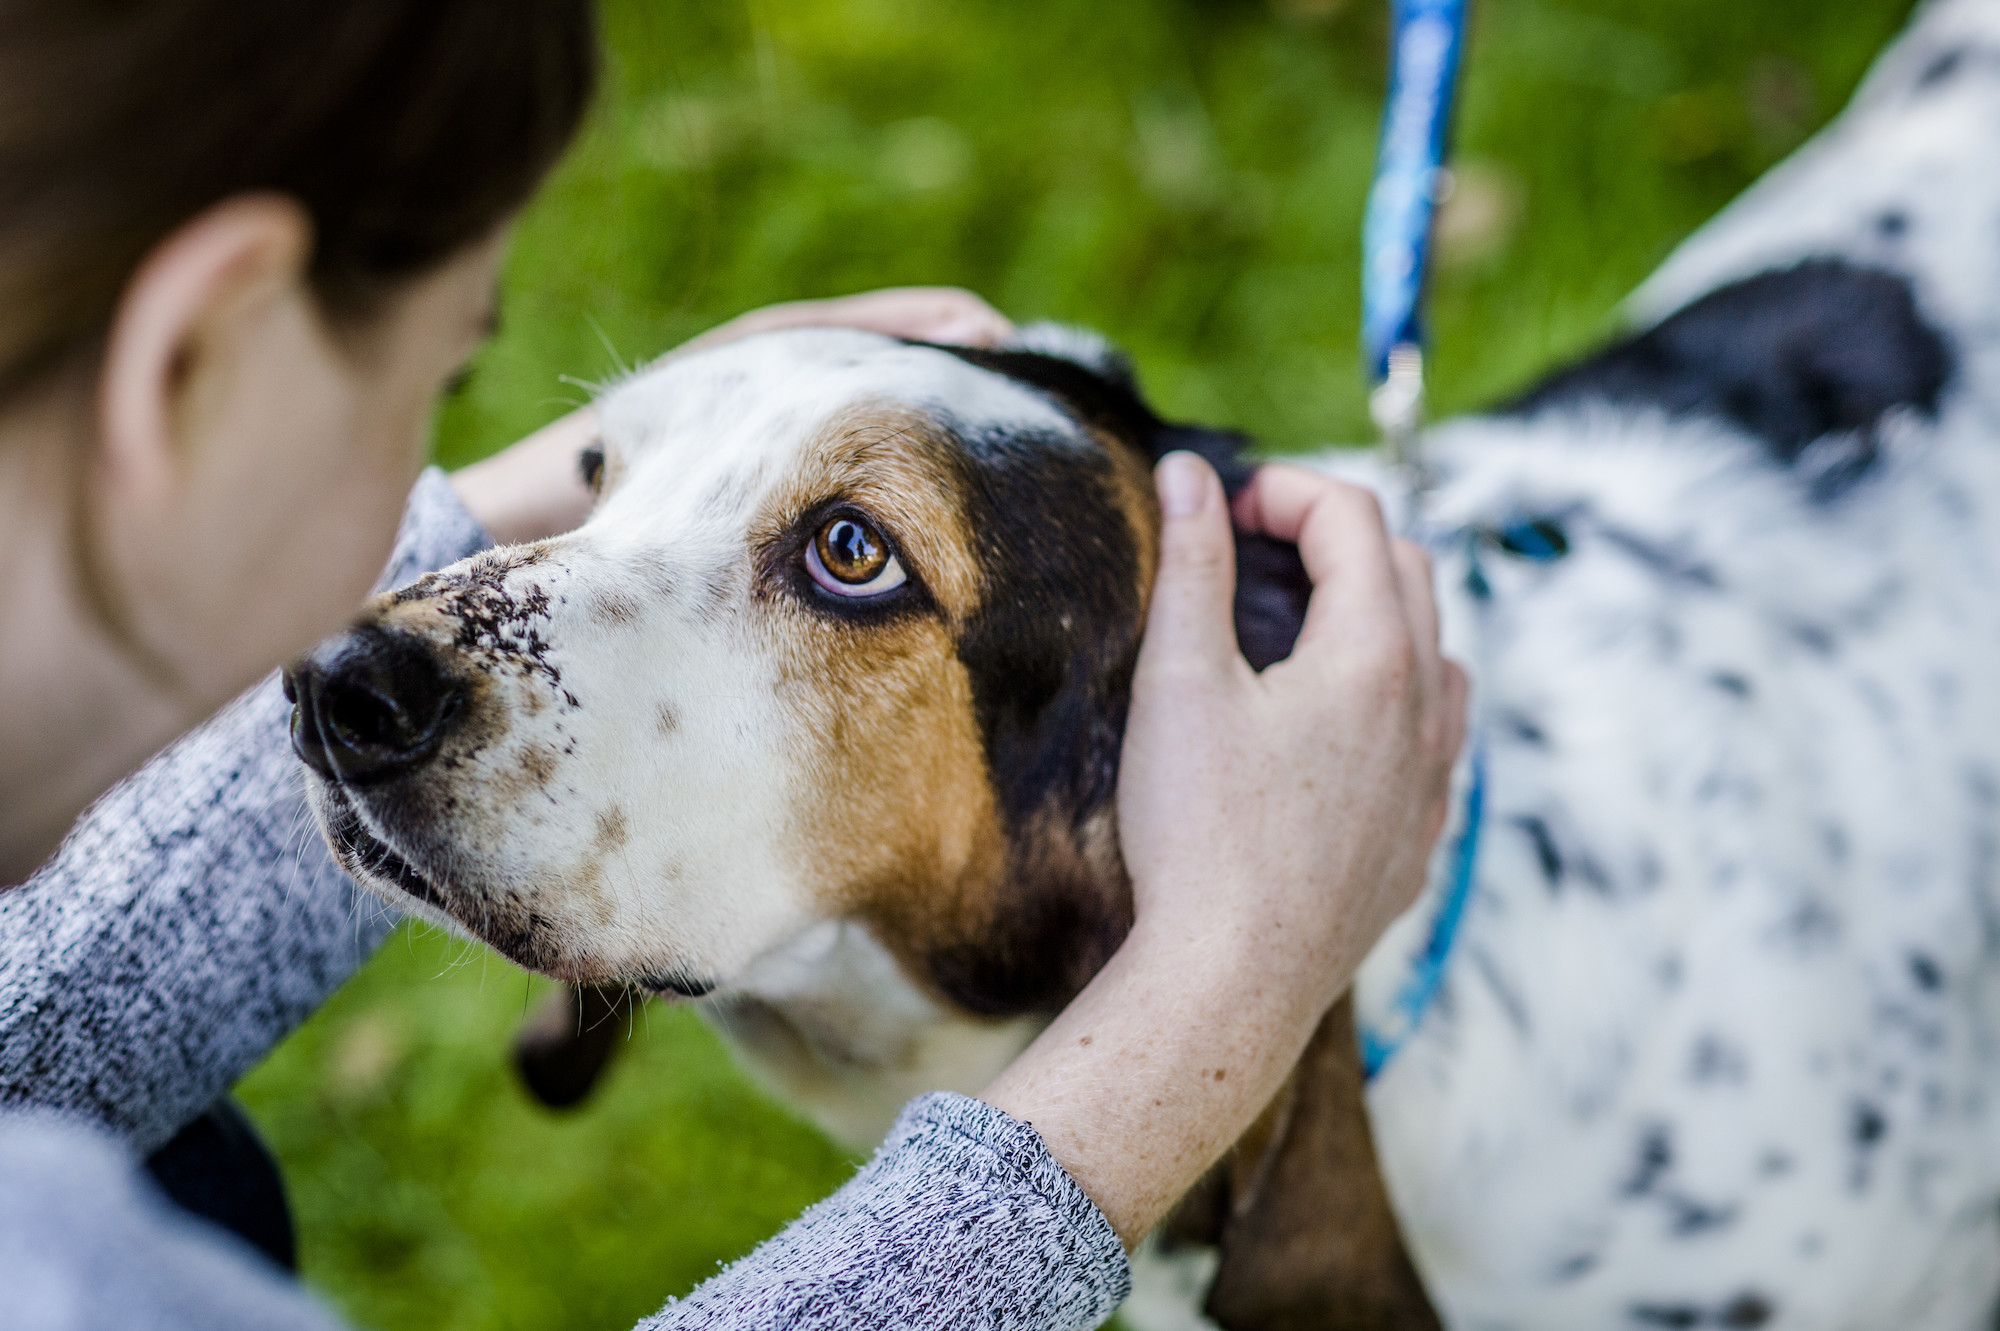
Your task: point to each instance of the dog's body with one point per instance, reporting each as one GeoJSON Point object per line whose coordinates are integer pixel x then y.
{"type": "Point", "coordinates": [1719, 1044]}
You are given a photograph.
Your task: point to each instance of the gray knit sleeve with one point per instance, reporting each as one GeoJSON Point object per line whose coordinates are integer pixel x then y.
{"type": "Point", "coordinates": [86, 1242]}
{"type": "Point", "coordinates": [962, 1219]}
{"type": "Point", "coordinates": [194, 917]}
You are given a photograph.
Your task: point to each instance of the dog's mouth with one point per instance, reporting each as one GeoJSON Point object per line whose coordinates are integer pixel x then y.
{"type": "Point", "coordinates": [367, 856]}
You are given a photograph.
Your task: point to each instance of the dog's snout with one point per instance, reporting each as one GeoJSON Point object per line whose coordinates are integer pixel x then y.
{"type": "Point", "coordinates": [370, 705]}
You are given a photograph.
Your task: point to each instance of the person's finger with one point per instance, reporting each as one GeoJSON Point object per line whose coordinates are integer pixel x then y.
{"type": "Point", "coordinates": [1414, 589]}
{"type": "Point", "coordinates": [1454, 698]}
{"type": "Point", "coordinates": [1345, 548]}
{"type": "Point", "coordinates": [1277, 499]}
{"type": "Point", "coordinates": [1190, 623]}
{"type": "Point", "coordinates": [922, 314]}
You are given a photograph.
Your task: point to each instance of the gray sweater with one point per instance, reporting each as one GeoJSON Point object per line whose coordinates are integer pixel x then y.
{"type": "Point", "coordinates": [194, 918]}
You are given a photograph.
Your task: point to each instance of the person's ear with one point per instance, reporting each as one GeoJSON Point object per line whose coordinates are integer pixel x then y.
{"type": "Point", "coordinates": [197, 299]}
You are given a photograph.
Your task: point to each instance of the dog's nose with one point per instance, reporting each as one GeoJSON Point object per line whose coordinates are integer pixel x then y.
{"type": "Point", "coordinates": [371, 704]}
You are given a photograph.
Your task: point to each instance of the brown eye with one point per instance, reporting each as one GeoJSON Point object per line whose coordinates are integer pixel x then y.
{"type": "Point", "coordinates": [849, 557]}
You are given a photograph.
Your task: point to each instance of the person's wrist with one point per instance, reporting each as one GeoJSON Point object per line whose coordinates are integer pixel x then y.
{"type": "Point", "coordinates": [1244, 961]}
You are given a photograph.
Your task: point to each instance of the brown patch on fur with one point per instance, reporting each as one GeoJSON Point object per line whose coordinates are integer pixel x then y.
{"type": "Point", "coordinates": [666, 720]}
{"type": "Point", "coordinates": [615, 608]}
{"type": "Point", "coordinates": [894, 813]}
{"type": "Point", "coordinates": [1132, 492]}
{"type": "Point", "coordinates": [1309, 1241]}
{"type": "Point", "coordinates": [613, 831]}
{"type": "Point", "coordinates": [539, 764]}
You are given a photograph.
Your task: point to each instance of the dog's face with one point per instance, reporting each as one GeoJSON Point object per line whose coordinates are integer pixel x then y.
{"type": "Point", "coordinates": [849, 635]}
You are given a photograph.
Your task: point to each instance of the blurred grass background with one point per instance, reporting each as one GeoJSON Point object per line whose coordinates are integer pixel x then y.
{"type": "Point", "coordinates": [1186, 175]}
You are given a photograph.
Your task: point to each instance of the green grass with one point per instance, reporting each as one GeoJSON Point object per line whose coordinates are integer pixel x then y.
{"type": "Point", "coordinates": [1188, 176]}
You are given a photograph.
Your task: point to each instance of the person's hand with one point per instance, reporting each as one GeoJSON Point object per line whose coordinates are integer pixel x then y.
{"type": "Point", "coordinates": [922, 314]}
{"type": "Point", "coordinates": [1274, 824]}
{"type": "Point", "coordinates": [1297, 807]}
{"type": "Point", "coordinates": [535, 488]}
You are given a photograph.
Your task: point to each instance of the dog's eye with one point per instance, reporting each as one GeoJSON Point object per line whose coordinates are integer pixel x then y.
{"type": "Point", "coordinates": [591, 463]}
{"type": "Point", "coordinates": [850, 558]}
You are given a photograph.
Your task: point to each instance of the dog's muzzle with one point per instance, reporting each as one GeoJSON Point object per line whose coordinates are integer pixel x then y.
{"type": "Point", "coordinates": [371, 705]}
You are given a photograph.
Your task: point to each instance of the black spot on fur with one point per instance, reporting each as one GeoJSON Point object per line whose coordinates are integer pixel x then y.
{"type": "Point", "coordinates": [1573, 1268]}
{"type": "Point", "coordinates": [1730, 682]}
{"type": "Point", "coordinates": [1521, 728]}
{"type": "Point", "coordinates": [1926, 972]}
{"type": "Point", "coordinates": [1655, 1158]}
{"type": "Point", "coordinates": [1789, 356]}
{"type": "Point", "coordinates": [1745, 1310]}
{"type": "Point", "coordinates": [1546, 855]}
{"type": "Point", "coordinates": [1669, 565]}
{"type": "Point", "coordinates": [1691, 1218]}
{"type": "Point", "coordinates": [1815, 639]}
{"type": "Point", "coordinates": [1717, 1061]}
{"type": "Point", "coordinates": [1893, 225]}
{"type": "Point", "coordinates": [1866, 1126]}
{"type": "Point", "coordinates": [1942, 68]}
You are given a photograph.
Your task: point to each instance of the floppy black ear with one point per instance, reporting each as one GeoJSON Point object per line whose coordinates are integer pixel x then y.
{"type": "Point", "coordinates": [1271, 583]}
{"type": "Point", "coordinates": [1095, 382]}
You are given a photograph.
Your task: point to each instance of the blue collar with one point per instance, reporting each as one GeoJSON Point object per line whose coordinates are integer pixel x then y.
{"type": "Point", "coordinates": [1406, 1011]}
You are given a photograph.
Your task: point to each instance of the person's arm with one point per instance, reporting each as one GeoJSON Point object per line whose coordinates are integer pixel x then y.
{"type": "Point", "coordinates": [194, 916]}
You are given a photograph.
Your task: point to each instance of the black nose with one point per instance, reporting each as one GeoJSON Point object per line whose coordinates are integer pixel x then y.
{"type": "Point", "coordinates": [371, 704]}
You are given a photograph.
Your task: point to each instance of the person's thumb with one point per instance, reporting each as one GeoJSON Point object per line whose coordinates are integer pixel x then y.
{"type": "Point", "coordinates": [1191, 621]}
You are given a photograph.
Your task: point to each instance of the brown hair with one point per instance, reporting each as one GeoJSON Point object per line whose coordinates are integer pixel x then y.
{"type": "Point", "coordinates": [407, 128]}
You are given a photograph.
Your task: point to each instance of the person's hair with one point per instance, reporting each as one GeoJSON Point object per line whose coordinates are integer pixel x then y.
{"type": "Point", "coordinates": [408, 129]}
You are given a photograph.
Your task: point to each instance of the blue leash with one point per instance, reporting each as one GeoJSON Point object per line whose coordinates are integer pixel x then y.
{"type": "Point", "coordinates": [1396, 238]}
{"type": "Point", "coordinates": [1406, 1012]}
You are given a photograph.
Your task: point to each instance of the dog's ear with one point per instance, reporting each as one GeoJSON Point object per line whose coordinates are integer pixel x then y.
{"type": "Point", "coordinates": [563, 1049]}
{"type": "Point", "coordinates": [1301, 1214]}
{"type": "Point", "coordinates": [1096, 383]}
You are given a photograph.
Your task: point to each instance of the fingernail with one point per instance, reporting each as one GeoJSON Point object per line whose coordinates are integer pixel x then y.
{"type": "Point", "coordinates": [1183, 488]}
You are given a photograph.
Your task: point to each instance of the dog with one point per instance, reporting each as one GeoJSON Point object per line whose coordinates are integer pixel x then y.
{"type": "Point", "coordinates": [815, 722]}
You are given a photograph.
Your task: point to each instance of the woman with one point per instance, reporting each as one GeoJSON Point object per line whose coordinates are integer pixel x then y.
{"type": "Point", "coordinates": [243, 244]}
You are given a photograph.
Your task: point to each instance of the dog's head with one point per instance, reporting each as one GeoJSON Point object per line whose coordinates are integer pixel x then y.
{"type": "Point", "coordinates": [849, 635]}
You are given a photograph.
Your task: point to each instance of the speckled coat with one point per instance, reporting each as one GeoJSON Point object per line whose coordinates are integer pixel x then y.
{"type": "Point", "coordinates": [1718, 1046]}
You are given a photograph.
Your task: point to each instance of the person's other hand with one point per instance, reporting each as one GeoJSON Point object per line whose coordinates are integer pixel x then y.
{"type": "Point", "coordinates": [1296, 808]}
{"type": "Point", "coordinates": [535, 488]}
{"type": "Point", "coordinates": [922, 314]}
